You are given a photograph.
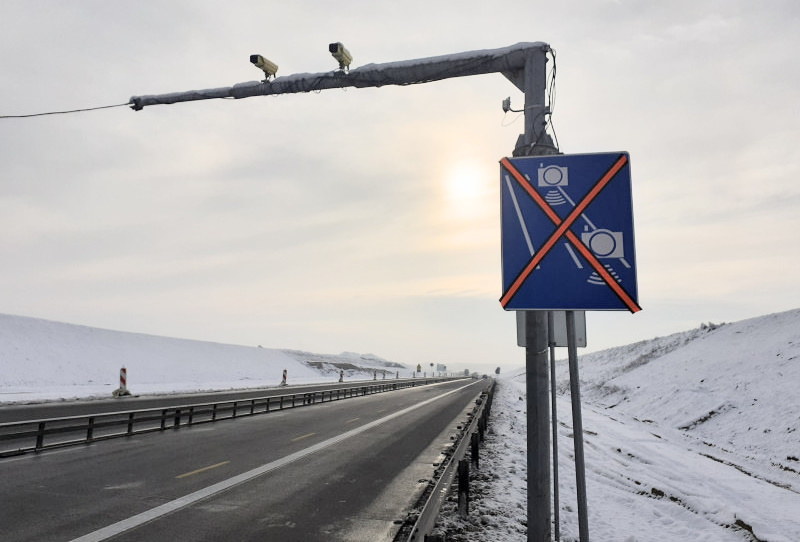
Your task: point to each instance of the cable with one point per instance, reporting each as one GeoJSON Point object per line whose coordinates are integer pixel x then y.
{"type": "Point", "coordinates": [62, 112]}
{"type": "Point", "coordinates": [551, 98]}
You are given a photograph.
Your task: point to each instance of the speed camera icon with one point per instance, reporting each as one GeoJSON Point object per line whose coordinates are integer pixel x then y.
{"type": "Point", "coordinates": [553, 176]}
{"type": "Point", "coordinates": [604, 243]}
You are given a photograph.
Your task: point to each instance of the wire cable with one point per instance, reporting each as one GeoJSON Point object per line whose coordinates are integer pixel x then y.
{"type": "Point", "coordinates": [62, 112]}
{"type": "Point", "coordinates": [551, 98]}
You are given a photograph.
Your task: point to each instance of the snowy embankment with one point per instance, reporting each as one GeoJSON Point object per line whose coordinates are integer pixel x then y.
{"type": "Point", "coordinates": [695, 436]}
{"type": "Point", "coordinates": [42, 360]}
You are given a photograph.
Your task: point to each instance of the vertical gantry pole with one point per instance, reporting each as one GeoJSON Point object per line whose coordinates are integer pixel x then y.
{"type": "Point", "coordinates": [536, 142]}
{"type": "Point", "coordinates": [554, 423]}
{"type": "Point", "coordinates": [537, 389]}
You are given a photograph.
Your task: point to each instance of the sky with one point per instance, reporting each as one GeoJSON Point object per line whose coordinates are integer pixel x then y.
{"type": "Point", "coordinates": [368, 220]}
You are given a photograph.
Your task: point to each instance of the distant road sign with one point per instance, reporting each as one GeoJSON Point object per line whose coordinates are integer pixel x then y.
{"type": "Point", "coordinates": [567, 233]}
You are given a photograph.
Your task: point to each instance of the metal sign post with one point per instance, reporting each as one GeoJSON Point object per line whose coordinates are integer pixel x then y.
{"type": "Point", "coordinates": [554, 422]}
{"type": "Point", "coordinates": [577, 428]}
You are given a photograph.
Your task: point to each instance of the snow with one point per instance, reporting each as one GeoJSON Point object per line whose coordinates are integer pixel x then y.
{"type": "Point", "coordinates": [42, 360]}
{"type": "Point", "coordinates": [693, 436]}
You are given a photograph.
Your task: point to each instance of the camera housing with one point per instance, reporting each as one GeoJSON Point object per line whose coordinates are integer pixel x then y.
{"type": "Point", "coordinates": [341, 54]}
{"type": "Point", "coordinates": [553, 176]}
{"type": "Point", "coordinates": [267, 66]}
{"type": "Point", "coordinates": [604, 243]}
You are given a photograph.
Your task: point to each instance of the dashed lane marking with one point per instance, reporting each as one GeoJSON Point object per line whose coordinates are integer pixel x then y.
{"type": "Point", "coordinates": [204, 469]}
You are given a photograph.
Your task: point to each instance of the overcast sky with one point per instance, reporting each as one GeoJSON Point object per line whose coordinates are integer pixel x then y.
{"type": "Point", "coordinates": [368, 220]}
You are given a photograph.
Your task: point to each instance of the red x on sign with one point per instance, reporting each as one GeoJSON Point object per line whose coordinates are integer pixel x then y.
{"type": "Point", "coordinates": [563, 231]}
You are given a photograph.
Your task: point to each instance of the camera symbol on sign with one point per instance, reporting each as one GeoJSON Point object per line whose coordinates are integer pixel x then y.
{"type": "Point", "coordinates": [553, 176]}
{"type": "Point", "coordinates": [604, 243]}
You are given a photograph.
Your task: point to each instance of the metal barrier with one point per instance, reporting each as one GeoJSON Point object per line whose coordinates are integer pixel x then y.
{"type": "Point", "coordinates": [38, 435]}
{"type": "Point", "coordinates": [424, 521]}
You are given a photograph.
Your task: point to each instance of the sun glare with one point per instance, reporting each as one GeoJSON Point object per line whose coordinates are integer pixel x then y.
{"type": "Point", "coordinates": [467, 190]}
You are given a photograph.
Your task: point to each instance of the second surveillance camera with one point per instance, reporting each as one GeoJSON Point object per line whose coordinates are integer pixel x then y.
{"type": "Point", "coordinates": [265, 65]}
{"type": "Point", "coordinates": [341, 54]}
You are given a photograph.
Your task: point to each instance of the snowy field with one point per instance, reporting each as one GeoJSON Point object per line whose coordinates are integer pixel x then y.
{"type": "Point", "coordinates": [42, 360]}
{"type": "Point", "coordinates": [690, 437]}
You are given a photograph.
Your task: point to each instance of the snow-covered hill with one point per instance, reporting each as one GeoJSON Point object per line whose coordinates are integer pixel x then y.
{"type": "Point", "coordinates": [44, 360]}
{"type": "Point", "coordinates": [694, 436]}
{"type": "Point", "coordinates": [735, 385]}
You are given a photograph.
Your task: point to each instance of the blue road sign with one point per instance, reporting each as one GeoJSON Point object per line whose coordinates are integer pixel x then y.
{"type": "Point", "coordinates": [567, 233]}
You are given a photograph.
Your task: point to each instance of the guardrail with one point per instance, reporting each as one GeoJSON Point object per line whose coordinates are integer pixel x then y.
{"type": "Point", "coordinates": [418, 527]}
{"type": "Point", "coordinates": [37, 435]}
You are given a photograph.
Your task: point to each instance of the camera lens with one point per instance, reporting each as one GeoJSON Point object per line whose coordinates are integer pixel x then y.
{"type": "Point", "coordinates": [552, 175]}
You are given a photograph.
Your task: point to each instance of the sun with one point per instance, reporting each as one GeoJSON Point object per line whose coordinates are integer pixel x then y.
{"type": "Point", "coordinates": [467, 191]}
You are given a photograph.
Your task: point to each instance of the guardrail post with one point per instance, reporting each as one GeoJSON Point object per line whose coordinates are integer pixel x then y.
{"type": "Point", "coordinates": [90, 429]}
{"type": "Point", "coordinates": [163, 419]}
{"type": "Point", "coordinates": [191, 416]}
{"type": "Point", "coordinates": [177, 422]}
{"type": "Point", "coordinates": [235, 404]}
{"type": "Point", "coordinates": [463, 488]}
{"type": "Point", "coordinates": [214, 412]}
{"type": "Point", "coordinates": [474, 442]}
{"type": "Point", "coordinates": [40, 436]}
{"type": "Point", "coordinates": [130, 423]}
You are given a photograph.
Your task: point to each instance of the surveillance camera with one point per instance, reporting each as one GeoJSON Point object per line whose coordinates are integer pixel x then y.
{"type": "Point", "coordinates": [341, 54]}
{"type": "Point", "coordinates": [267, 66]}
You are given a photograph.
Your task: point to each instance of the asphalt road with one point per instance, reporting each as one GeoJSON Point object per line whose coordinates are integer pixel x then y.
{"type": "Point", "coordinates": [341, 471]}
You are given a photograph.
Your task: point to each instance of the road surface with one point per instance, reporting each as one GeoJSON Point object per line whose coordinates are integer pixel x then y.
{"type": "Point", "coordinates": [344, 471]}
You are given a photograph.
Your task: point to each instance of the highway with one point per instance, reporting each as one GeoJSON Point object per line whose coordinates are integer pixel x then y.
{"type": "Point", "coordinates": [340, 471]}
